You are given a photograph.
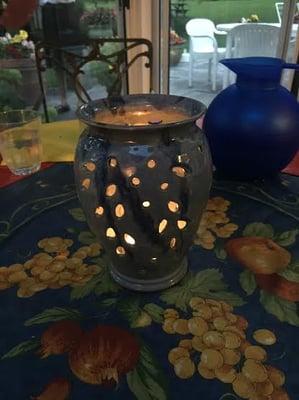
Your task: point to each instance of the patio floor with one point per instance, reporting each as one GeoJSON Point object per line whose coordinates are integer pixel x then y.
{"type": "Point", "coordinates": [201, 88]}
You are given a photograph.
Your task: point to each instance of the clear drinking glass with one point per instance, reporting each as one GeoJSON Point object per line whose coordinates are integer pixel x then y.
{"type": "Point", "coordinates": [20, 144]}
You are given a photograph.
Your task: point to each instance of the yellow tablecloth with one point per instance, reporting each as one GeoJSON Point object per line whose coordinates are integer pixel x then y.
{"type": "Point", "coordinates": [59, 140]}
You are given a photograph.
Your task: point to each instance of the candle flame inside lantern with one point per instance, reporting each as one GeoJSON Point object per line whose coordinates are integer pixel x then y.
{"type": "Point", "coordinates": [110, 233]}
{"type": "Point", "coordinates": [129, 239]}
{"type": "Point", "coordinates": [179, 171]}
{"type": "Point", "coordinates": [129, 171]}
{"type": "Point", "coordinates": [181, 224]}
{"type": "Point", "coordinates": [135, 181]}
{"type": "Point", "coordinates": [120, 251]}
{"type": "Point", "coordinates": [151, 163]}
{"type": "Point", "coordinates": [113, 162]}
{"type": "Point", "coordinates": [173, 243]}
{"type": "Point", "coordinates": [140, 115]}
{"type": "Point", "coordinates": [173, 206]}
{"type": "Point", "coordinates": [100, 210]}
{"type": "Point", "coordinates": [86, 183]}
{"type": "Point", "coordinates": [162, 225]}
{"type": "Point", "coordinates": [119, 210]}
{"type": "Point", "coordinates": [111, 190]}
{"type": "Point", "coordinates": [90, 166]}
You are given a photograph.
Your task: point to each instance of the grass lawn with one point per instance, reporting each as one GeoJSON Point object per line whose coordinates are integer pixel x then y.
{"type": "Point", "coordinates": [222, 11]}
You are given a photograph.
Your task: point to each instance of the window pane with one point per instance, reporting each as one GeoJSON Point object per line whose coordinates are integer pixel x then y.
{"type": "Point", "coordinates": [204, 32]}
{"type": "Point", "coordinates": [69, 26]}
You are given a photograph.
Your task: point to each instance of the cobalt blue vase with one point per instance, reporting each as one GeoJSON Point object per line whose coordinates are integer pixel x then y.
{"type": "Point", "coordinates": [253, 125]}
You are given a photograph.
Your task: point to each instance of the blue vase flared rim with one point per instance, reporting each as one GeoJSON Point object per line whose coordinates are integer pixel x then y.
{"type": "Point", "coordinates": [195, 108]}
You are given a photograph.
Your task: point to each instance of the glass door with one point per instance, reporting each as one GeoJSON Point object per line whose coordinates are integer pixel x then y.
{"type": "Point", "coordinates": [69, 25]}
{"type": "Point", "coordinates": [201, 33]}
{"type": "Point", "coordinates": [288, 44]}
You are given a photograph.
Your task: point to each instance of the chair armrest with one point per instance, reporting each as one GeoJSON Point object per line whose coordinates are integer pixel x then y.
{"type": "Point", "coordinates": [223, 33]}
{"type": "Point", "coordinates": [215, 44]}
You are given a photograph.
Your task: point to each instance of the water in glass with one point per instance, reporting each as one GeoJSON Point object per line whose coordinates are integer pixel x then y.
{"type": "Point", "coordinates": [20, 143]}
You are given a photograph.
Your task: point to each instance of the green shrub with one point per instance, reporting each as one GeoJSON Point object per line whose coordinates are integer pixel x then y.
{"type": "Point", "coordinates": [52, 114]}
{"type": "Point", "coordinates": [11, 76]}
{"type": "Point", "coordinates": [10, 81]}
{"type": "Point", "coordinates": [51, 78]}
{"type": "Point", "coordinates": [225, 11]}
{"type": "Point", "coordinates": [178, 24]}
{"type": "Point", "coordinates": [103, 72]}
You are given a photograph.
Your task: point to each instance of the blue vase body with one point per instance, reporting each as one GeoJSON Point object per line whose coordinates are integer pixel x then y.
{"type": "Point", "coordinates": [253, 125]}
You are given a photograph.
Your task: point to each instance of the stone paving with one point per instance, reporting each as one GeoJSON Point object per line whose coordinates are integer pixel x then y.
{"type": "Point", "coordinates": [201, 88]}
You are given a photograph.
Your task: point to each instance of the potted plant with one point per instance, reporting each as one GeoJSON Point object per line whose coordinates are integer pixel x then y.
{"type": "Point", "coordinates": [252, 18]}
{"type": "Point", "coordinates": [176, 44]}
{"type": "Point", "coordinates": [17, 52]}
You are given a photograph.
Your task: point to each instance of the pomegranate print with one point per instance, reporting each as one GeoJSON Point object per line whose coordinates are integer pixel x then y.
{"type": "Point", "coordinates": [58, 389]}
{"type": "Point", "coordinates": [59, 338]}
{"type": "Point", "coordinates": [103, 355]}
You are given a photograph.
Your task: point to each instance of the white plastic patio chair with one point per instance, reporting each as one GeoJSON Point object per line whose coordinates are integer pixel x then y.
{"type": "Point", "coordinates": [250, 40]}
{"type": "Point", "coordinates": [202, 43]}
{"type": "Point", "coordinates": [279, 10]}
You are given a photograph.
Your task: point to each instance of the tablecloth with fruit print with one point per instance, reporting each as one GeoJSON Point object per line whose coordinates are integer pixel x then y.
{"type": "Point", "coordinates": [227, 331]}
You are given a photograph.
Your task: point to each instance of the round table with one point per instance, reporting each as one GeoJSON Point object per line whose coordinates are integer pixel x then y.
{"type": "Point", "coordinates": [229, 26]}
{"type": "Point", "coordinates": [69, 331]}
